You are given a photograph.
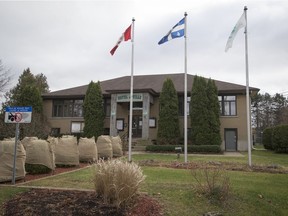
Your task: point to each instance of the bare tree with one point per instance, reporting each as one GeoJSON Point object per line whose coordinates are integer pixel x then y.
{"type": "Point", "coordinates": [5, 78]}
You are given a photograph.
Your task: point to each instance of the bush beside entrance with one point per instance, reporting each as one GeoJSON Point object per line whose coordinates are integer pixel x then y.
{"type": "Point", "coordinates": [190, 148]}
{"type": "Point", "coordinates": [276, 138]}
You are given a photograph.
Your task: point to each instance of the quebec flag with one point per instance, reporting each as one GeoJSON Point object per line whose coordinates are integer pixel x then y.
{"type": "Point", "coordinates": [175, 32]}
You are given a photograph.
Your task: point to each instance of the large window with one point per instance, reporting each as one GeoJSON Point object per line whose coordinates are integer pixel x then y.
{"type": "Point", "coordinates": [227, 105]}
{"type": "Point", "coordinates": [181, 105]}
{"type": "Point", "coordinates": [67, 108]}
{"type": "Point", "coordinates": [107, 107]}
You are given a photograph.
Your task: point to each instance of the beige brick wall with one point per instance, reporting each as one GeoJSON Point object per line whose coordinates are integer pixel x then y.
{"type": "Point", "coordinates": [238, 121]}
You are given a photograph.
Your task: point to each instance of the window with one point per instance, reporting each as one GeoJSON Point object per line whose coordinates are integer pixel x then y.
{"type": "Point", "coordinates": [78, 108]}
{"type": "Point", "coordinates": [67, 108]}
{"type": "Point", "coordinates": [181, 106]}
{"type": "Point", "coordinates": [136, 106]}
{"type": "Point", "coordinates": [107, 107]}
{"type": "Point", "coordinates": [55, 131]}
{"type": "Point", "coordinates": [227, 105]}
{"type": "Point", "coordinates": [77, 127]}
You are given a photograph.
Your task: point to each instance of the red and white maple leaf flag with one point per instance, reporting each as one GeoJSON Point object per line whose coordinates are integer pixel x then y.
{"type": "Point", "coordinates": [125, 36]}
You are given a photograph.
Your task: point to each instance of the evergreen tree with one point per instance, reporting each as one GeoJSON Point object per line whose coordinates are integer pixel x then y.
{"type": "Point", "coordinates": [26, 79]}
{"type": "Point", "coordinates": [30, 96]}
{"type": "Point", "coordinates": [93, 110]}
{"type": "Point", "coordinates": [199, 112]}
{"type": "Point", "coordinates": [41, 83]}
{"type": "Point", "coordinates": [27, 92]}
{"type": "Point", "coordinates": [268, 111]}
{"type": "Point", "coordinates": [279, 104]}
{"type": "Point", "coordinates": [213, 114]}
{"type": "Point", "coordinates": [256, 112]}
{"type": "Point", "coordinates": [168, 124]}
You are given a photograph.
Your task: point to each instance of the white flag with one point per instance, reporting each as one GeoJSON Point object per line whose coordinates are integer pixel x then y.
{"type": "Point", "coordinates": [240, 24]}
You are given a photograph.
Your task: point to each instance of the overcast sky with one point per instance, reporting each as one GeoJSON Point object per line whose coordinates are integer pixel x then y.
{"type": "Point", "coordinates": [69, 41]}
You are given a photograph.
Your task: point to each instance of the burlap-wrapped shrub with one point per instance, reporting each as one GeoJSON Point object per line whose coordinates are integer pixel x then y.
{"type": "Point", "coordinates": [7, 160]}
{"type": "Point", "coordinates": [66, 151]}
{"type": "Point", "coordinates": [117, 146]}
{"type": "Point", "coordinates": [104, 147]}
{"type": "Point", "coordinates": [39, 155]}
{"type": "Point", "coordinates": [87, 150]}
{"type": "Point", "coordinates": [27, 140]}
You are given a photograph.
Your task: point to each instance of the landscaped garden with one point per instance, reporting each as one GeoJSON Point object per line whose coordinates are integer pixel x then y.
{"type": "Point", "coordinates": [172, 187]}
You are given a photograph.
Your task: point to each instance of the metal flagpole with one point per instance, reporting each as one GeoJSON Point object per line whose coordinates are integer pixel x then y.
{"type": "Point", "coordinates": [185, 91]}
{"type": "Point", "coordinates": [247, 92]}
{"type": "Point", "coordinates": [131, 95]}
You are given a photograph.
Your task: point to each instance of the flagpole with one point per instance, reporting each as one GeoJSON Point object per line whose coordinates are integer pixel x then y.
{"type": "Point", "coordinates": [131, 95]}
{"type": "Point", "coordinates": [185, 91]}
{"type": "Point", "coordinates": [247, 92]}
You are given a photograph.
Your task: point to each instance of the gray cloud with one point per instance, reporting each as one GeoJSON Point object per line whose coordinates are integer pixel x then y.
{"type": "Point", "coordinates": [69, 42]}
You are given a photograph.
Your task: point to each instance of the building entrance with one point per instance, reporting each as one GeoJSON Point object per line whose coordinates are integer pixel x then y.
{"type": "Point", "coordinates": [230, 139]}
{"type": "Point", "coordinates": [137, 126]}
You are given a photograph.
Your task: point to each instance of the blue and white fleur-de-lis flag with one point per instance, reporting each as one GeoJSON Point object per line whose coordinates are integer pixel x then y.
{"type": "Point", "coordinates": [177, 31]}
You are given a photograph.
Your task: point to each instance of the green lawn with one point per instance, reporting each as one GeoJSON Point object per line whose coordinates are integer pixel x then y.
{"type": "Point", "coordinates": [259, 157]}
{"type": "Point", "coordinates": [174, 189]}
{"type": "Point", "coordinates": [78, 179]}
{"type": "Point", "coordinates": [252, 193]}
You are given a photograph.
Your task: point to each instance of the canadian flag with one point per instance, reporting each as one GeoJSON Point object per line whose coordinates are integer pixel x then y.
{"type": "Point", "coordinates": [125, 36]}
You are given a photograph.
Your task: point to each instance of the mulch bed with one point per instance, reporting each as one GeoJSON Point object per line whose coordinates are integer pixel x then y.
{"type": "Point", "coordinates": [73, 202]}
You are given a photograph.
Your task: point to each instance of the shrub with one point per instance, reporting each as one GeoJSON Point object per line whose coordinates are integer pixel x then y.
{"type": "Point", "coordinates": [212, 183]}
{"type": "Point", "coordinates": [160, 148]}
{"type": "Point", "coordinates": [205, 148]}
{"type": "Point", "coordinates": [267, 138]}
{"type": "Point", "coordinates": [116, 181]}
{"type": "Point", "coordinates": [190, 148]}
{"type": "Point", "coordinates": [280, 139]}
{"type": "Point", "coordinates": [36, 169]}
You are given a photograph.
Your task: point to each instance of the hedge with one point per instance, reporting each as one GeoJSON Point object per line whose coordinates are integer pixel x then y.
{"type": "Point", "coordinates": [267, 138]}
{"type": "Point", "coordinates": [276, 138]}
{"type": "Point", "coordinates": [36, 169]}
{"type": "Point", "coordinates": [280, 139]}
{"type": "Point", "coordinates": [190, 148]}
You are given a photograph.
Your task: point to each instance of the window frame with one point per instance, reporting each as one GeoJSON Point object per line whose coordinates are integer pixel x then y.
{"type": "Point", "coordinates": [181, 105]}
{"type": "Point", "coordinates": [67, 108]}
{"type": "Point", "coordinates": [81, 123]}
{"type": "Point", "coordinates": [225, 103]}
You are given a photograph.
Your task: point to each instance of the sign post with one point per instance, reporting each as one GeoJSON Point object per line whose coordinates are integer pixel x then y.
{"type": "Point", "coordinates": [17, 115]}
{"type": "Point", "coordinates": [15, 151]}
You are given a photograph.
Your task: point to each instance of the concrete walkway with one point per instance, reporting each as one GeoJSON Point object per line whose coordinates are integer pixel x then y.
{"type": "Point", "coordinates": [225, 154]}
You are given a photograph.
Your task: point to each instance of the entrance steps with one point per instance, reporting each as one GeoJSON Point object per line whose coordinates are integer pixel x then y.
{"type": "Point", "coordinates": [139, 144]}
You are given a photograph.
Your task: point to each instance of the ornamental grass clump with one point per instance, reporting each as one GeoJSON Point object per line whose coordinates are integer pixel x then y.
{"type": "Point", "coordinates": [116, 181]}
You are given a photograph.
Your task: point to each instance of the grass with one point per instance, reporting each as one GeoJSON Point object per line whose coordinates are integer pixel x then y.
{"type": "Point", "coordinates": [252, 193]}
{"type": "Point", "coordinates": [78, 180]}
{"type": "Point", "coordinates": [7, 192]}
{"type": "Point", "coordinates": [259, 157]}
{"type": "Point", "coordinates": [268, 158]}
{"type": "Point", "coordinates": [175, 191]}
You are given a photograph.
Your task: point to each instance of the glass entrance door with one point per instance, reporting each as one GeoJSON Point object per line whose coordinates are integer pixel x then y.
{"type": "Point", "coordinates": [137, 126]}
